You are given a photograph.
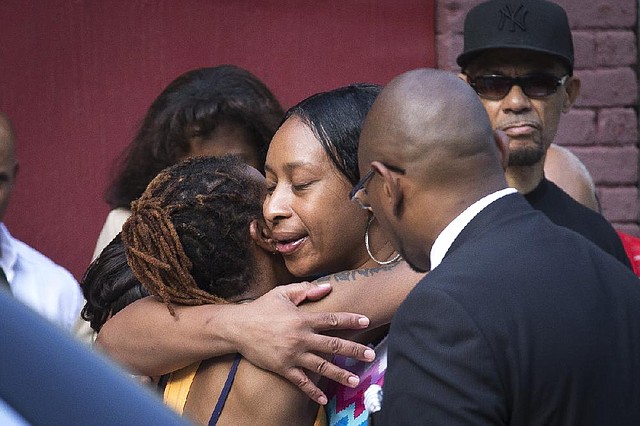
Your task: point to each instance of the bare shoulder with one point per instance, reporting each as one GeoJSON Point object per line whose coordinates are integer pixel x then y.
{"type": "Point", "coordinates": [256, 397]}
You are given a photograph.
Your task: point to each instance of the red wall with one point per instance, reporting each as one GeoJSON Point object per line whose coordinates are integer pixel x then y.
{"type": "Point", "coordinates": [77, 76]}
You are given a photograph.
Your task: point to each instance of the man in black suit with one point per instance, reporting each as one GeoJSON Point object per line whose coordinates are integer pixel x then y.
{"type": "Point", "coordinates": [519, 321]}
{"type": "Point", "coordinates": [518, 57]}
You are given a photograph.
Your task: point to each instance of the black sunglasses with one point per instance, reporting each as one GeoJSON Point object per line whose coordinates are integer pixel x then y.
{"type": "Point", "coordinates": [535, 86]}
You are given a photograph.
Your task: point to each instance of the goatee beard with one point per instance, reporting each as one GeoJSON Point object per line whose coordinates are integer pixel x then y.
{"type": "Point", "coordinates": [525, 157]}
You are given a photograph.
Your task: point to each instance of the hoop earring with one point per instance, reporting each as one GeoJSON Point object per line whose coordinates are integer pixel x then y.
{"type": "Point", "coordinates": [366, 244]}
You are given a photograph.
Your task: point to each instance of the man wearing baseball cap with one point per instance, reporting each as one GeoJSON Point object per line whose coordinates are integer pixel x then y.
{"type": "Point", "coordinates": [518, 57]}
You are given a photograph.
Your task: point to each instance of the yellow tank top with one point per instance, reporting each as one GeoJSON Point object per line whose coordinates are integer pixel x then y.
{"type": "Point", "coordinates": [179, 384]}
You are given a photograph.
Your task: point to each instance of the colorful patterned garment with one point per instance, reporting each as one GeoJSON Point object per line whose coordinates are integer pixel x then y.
{"type": "Point", "coordinates": [346, 405]}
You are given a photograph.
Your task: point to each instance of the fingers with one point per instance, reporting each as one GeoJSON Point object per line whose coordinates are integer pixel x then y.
{"type": "Point", "coordinates": [326, 321]}
{"type": "Point", "coordinates": [332, 345]}
{"type": "Point", "coordinates": [299, 292]}
{"type": "Point", "coordinates": [300, 379]}
{"type": "Point", "coordinates": [325, 368]}
{"type": "Point", "coordinates": [317, 291]}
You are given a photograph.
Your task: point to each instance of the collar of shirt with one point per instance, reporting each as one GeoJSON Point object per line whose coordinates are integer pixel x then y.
{"type": "Point", "coordinates": [453, 229]}
{"type": "Point", "coordinates": [8, 253]}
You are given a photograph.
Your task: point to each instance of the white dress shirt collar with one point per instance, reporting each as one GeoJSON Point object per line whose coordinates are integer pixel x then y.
{"type": "Point", "coordinates": [453, 229]}
{"type": "Point", "coordinates": [8, 253]}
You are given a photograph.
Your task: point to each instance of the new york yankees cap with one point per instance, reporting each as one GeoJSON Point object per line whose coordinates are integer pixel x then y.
{"type": "Point", "coordinates": [537, 25]}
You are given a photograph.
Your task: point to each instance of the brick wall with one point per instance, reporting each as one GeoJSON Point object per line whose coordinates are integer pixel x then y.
{"type": "Point", "coordinates": [602, 128]}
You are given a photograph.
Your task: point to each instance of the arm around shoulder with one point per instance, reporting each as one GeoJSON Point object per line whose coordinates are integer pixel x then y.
{"type": "Point", "coordinates": [270, 332]}
{"type": "Point", "coordinates": [145, 338]}
{"type": "Point", "coordinates": [373, 292]}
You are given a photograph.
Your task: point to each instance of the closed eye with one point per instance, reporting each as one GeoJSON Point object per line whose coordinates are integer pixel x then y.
{"type": "Point", "coordinates": [302, 186]}
{"type": "Point", "coordinates": [270, 189]}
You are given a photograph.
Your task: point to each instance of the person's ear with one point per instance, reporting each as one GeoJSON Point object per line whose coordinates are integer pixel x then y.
{"type": "Point", "coordinates": [502, 142]}
{"type": "Point", "coordinates": [261, 235]}
{"type": "Point", "coordinates": [572, 90]}
{"type": "Point", "coordinates": [392, 192]}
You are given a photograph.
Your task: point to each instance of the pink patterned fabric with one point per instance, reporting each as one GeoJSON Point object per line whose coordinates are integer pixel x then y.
{"type": "Point", "coordinates": [346, 405]}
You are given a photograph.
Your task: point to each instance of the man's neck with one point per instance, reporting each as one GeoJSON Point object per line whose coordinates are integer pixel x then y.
{"type": "Point", "coordinates": [525, 178]}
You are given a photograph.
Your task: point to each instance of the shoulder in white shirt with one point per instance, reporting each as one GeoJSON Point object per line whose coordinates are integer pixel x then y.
{"type": "Point", "coordinates": [38, 282]}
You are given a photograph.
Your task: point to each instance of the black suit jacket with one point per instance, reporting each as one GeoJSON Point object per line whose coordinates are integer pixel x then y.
{"type": "Point", "coordinates": [523, 323]}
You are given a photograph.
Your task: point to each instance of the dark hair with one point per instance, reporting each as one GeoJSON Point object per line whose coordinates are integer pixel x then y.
{"type": "Point", "coordinates": [194, 104]}
{"type": "Point", "coordinates": [109, 285]}
{"type": "Point", "coordinates": [336, 118]}
{"type": "Point", "coordinates": [187, 239]}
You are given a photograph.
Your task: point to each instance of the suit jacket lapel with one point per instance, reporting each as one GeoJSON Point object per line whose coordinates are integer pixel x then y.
{"type": "Point", "coordinates": [490, 218]}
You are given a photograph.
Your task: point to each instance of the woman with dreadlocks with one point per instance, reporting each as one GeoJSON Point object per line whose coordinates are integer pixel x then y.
{"type": "Point", "coordinates": [197, 236]}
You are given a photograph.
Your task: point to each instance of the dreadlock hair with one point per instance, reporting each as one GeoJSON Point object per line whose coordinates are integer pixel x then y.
{"type": "Point", "coordinates": [187, 239]}
{"type": "Point", "coordinates": [109, 285]}
{"type": "Point", "coordinates": [194, 104]}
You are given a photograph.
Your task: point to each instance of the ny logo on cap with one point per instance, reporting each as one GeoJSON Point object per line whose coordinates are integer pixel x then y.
{"type": "Point", "coordinates": [516, 17]}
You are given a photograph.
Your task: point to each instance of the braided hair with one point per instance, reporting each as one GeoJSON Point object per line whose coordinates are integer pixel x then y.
{"type": "Point", "coordinates": [187, 239]}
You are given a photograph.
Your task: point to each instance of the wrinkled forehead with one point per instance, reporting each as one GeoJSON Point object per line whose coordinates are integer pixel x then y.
{"type": "Point", "coordinates": [515, 61]}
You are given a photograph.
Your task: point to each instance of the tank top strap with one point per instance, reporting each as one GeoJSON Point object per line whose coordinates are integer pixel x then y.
{"type": "Point", "coordinates": [225, 391]}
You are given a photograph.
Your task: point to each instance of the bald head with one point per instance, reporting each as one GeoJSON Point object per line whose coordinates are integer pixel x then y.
{"type": "Point", "coordinates": [566, 170]}
{"type": "Point", "coordinates": [7, 135]}
{"type": "Point", "coordinates": [430, 117]}
{"type": "Point", "coordinates": [8, 163]}
{"type": "Point", "coordinates": [429, 139]}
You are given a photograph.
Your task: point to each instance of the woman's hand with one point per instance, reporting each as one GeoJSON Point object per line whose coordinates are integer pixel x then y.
{"type": "Point", "coordinates": [273, 334]}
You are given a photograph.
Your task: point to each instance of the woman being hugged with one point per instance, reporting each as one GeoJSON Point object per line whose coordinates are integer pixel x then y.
{"type": "Point", "coordinates": [197, 236]}
{"type": "Point", "coordinates": [311, 168]}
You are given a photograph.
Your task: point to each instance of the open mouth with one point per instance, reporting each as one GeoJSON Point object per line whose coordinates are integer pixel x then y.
{"type": "Point", "coordinates": [286, 247]}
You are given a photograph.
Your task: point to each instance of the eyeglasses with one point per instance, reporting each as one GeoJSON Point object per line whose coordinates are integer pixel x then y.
{"type": "Point", "coordinates": [535, 86]}
{"type": "Point", "coordinates": [353, 195]}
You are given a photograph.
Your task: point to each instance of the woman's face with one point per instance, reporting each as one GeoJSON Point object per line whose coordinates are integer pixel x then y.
{"type": "Point", "coordinates": [226, 139]}
{"type": "Point", "coordinates": [315, 226]}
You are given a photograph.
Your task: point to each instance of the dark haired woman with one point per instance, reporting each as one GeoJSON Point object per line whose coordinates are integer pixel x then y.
{"type": "Point", "coordinates": [109, 285]}
{"type": "Point", "coordinates": [207, 111]}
